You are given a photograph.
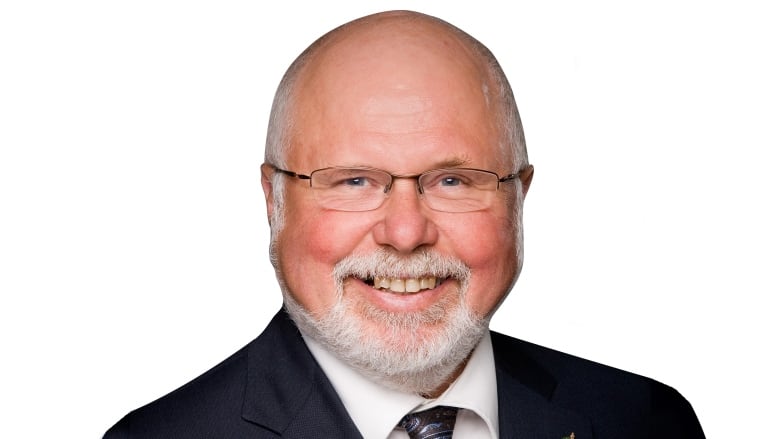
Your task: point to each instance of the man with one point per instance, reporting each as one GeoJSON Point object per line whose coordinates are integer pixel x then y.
{"type": "Point", "coordinates": [394, 178]}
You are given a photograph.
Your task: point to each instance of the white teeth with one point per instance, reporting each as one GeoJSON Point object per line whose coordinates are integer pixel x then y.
{"type": "Point", "coordinates": [405, 285]}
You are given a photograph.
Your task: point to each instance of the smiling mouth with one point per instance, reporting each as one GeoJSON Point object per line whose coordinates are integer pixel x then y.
{"type": "Point", "coordinates": [397, 285]}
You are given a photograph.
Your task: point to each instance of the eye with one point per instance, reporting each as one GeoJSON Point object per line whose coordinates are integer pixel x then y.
{"type": "Point", "coordinates": [451, 180]}
{"type": "Point", "coordinates": [355, 181]}
{"type": "Point", "coordinates": [454, 181]}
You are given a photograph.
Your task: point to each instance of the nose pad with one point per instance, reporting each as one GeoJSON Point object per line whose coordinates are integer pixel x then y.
{"type": "Point", "coordinates": [417, 184]}
{"type": "Point", "coordinates": [389, 190]}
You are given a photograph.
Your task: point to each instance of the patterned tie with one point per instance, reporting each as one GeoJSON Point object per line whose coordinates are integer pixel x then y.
{"type": "Point", "coordinates": [435, 423]}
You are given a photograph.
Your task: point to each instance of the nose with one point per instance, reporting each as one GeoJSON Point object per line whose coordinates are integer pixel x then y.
{"type": "Point", "coordinates": [406, 224]}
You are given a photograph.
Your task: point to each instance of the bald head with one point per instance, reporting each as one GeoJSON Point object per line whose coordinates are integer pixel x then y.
{"type": "Point", "coordinates": [405, 57]}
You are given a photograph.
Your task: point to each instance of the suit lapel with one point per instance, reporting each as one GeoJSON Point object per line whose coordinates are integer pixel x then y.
{"type": "Point", "coordinates": [525, 398]}
{"type": "Point", "coordinates": [286, 391]}
{"type": "Point", "coordinates": [288, 394]}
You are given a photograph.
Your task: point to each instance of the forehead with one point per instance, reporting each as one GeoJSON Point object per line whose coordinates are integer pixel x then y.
{"type": "Point", "coordinates": [393, 90]}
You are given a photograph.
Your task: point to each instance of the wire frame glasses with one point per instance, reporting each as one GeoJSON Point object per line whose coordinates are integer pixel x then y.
{"type": "Point", "coordinates": [363, 189]}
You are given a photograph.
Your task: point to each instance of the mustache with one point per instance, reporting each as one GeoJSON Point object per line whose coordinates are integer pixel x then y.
{"type": "Point", "coordinates": [386, 263]}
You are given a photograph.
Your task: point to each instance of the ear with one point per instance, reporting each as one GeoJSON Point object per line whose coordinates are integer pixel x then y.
{"type": "Point", "coordinates": [266, 179]}
{"type": "Point", "coordinates": [525, 177]}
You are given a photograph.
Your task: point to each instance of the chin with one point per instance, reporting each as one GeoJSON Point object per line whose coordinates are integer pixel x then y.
{"type": "Point", "coordinates": [414, 352]}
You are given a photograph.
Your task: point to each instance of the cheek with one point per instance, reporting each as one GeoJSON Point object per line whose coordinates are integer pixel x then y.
{"type": "Point", "coordinates": [486, 244]}
{"type": "Point", "coordinates": [310, 245]}
{"type": "Point", "coordinates": [480, 240]}
{"type": "Point", "coordinates": [319, 239]}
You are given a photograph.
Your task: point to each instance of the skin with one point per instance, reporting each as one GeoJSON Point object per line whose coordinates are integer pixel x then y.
{"type": "Point", "coordinates": [405, 96]}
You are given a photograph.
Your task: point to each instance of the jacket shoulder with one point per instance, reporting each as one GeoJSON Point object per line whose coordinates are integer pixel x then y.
{"type": "Point", "coordinates": [272, 387]}
{"type": "Point", "coordinates": [617, 402]}
{"type": "Point", "coordinates": [203, 407]}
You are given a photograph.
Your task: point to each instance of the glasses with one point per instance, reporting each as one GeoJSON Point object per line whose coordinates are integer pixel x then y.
{"type": "Point", "coordinates": [363, 189]}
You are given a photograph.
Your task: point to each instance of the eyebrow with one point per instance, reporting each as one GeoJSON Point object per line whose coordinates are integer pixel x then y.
{"type": "Point", "coordinates": [451, 163]}
{"type": "Point", "coordinates": [447, 163]}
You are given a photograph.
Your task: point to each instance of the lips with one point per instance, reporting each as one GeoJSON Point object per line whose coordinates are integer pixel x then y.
{"type": "Point", "coordinates": [409, 285]}
{"type": "Point", "coordinates": [404, 280]}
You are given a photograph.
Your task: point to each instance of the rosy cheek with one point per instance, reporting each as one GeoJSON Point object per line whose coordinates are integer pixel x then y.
{"type": "Point", "coordinates": [331, 236]}
{"type": "Point", "coordinates": [490, 254]}
{"type": "Point", "coordinates": [475, 238]}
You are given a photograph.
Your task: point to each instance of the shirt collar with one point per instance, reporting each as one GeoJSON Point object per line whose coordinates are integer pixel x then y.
{"type": "Point", "coordinates": [474, 389]}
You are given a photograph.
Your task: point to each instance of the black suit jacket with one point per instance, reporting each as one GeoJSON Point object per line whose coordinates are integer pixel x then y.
{"type": "Point", "coordinates": [274, 388]}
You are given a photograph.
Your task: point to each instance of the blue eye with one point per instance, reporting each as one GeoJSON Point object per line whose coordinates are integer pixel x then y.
{"type": "Point", "coordinates": [356, 181]}
{"type": "Point", "coordinates": [451, 181]}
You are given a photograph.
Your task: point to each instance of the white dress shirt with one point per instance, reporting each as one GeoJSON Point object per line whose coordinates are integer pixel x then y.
{"type": "Point", "coordinates": [376, 410]}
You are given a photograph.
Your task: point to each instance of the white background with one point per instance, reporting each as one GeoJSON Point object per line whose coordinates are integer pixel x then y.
{"type": "Point", "coordinates": [133, 237]}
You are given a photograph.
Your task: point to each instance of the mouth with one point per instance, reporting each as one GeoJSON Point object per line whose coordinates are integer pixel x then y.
{"type": "Point", "coordinates": [404, 286]}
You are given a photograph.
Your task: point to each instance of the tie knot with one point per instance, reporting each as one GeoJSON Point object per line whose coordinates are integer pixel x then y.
{"type": "Point", "coordinates": [434, 423]}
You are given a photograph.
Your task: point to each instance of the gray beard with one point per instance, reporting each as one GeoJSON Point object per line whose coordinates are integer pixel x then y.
{"type": "Point", "coordinates": [410, 355]}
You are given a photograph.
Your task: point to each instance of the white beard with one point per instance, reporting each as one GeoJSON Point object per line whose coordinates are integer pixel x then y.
{"type": "Point", "coordinates": [411, 352]}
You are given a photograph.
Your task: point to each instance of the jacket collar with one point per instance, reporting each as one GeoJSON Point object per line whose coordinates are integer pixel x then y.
{"type": "Point", "coordinates": [286, 391]}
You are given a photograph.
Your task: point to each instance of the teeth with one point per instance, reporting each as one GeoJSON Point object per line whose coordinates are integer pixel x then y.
{"type": "Point", "coordinates": [405, 285]}
{"type": "Point", "coordinates": [428, 282]}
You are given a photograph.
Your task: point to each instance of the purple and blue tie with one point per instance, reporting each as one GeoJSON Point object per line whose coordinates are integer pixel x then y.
{"type": "Point", "coordinates": [435, 423]}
